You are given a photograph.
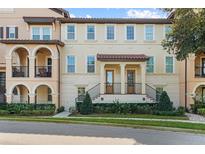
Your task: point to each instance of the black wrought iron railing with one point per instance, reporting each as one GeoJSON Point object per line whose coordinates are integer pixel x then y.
{"type": "Point", "coordinates": [43, 71]}
{"type": "Point", "coordinates": [133, 88]}
{"type": "Point", "coordinates": [112, 88]}
{"type": "Point", "coordinates": [94, 93]}
{"type": "Point", "coordinates": [199, 71]}
{"type": "Point", "coordinates": [152, 93]}
{"type": "Point", "coordinates": [20, 71]}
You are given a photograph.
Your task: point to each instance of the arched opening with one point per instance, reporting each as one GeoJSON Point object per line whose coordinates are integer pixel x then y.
{"type": "Point", "coordinates": [200, 94]}
{"type": "Point", "coordinates": [43, 63]}
{"type": "Point", "coordinates": [20, 62]}
{"type": "Point", "coordinates": [20, 94]}
{"type": "Point", "coordinates": [200, 64]}
{"type": "Point", "coordinates": [43, 95]}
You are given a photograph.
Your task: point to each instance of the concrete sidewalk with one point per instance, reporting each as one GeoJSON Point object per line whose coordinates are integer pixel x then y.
{"type": "Point", "coordinates": [144, 119]}
{"type": "Point", "coordinates": [37, 139]}
{"type": "Point", "coordinates": [63, 114]}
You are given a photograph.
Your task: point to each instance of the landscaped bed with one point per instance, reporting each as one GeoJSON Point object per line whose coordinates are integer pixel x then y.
{"type": "Point", "coordinates": [147, 116]}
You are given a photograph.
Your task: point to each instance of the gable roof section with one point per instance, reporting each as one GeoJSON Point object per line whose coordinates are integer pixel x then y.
{"type": "Point", "coordinates": [61, 11]}
{"type": "Point", "coordinates": [116, 20]}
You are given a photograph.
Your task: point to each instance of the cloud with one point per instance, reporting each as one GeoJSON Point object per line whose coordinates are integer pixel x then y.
{"type": "Point", "coordinates": [133, 13]}
{"type": "Point", "coordinates": [72, 16]}
{"type": "Point", "coordinates": [88, 16]}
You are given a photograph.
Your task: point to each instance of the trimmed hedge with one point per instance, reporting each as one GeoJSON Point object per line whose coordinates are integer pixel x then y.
{"type": "Point", "coordinates": [16, 108]}
{"type": "Point", "coordinates": [36, 112]}
{"type": "Point", "coordinates": [4, 112]}
{"type": "Point", "coordinates": [122, 108]}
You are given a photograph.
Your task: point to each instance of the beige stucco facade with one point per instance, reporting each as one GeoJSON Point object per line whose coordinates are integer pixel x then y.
{"type": "Point", "coordinates": [44, 77]}
{"type": "Point", "coordinates": [81, 48]}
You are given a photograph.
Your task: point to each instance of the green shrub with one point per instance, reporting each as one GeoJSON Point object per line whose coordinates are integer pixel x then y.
{"type": "Point", "coordinates": [196, 106]}
{"type": "Point", "coordinates": [3, 106]}
{"type": "Point", "coordinates": [164, 102]}
{"type": "Point", "coordinates": [36, 112]}
{"type": "Point", "coordinates": [4, 112]}
{"type": "Point", "coordinates": [180, 110]}
{"type": "Point", "coordinates": [16, 108]}
{"type": "Point", "coordinates": [61, 109]}
{"type": "Point", "coordinates": [86, 107]}
{"type": "Point", "coordinates": [44, 106]}
{"type": "Point", "coordinates": [166, 113]}
{"type": "Point", "coordinates": [201, 111]}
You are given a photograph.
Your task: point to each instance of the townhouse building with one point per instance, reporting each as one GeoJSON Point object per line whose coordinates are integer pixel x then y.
{"type": "Point", "coordinates": [48, 57]}
{"type": "Point", "coordinates": [29, 59]}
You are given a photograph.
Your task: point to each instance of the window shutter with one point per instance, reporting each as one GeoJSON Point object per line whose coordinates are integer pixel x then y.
{"type": "Point", "coordinates": [16, 32]}
{"type": "Point", "coordinates": [1, 32]}
{"type": "Point", "coordinates": [7, 32]}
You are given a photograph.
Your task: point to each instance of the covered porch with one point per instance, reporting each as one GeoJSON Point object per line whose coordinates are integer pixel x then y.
{"type": "Point", "coordinates": [122, 74]}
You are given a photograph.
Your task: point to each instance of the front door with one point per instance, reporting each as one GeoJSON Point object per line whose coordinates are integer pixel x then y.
{"type": "Point", "coordinates": [109, 82]}
{"type": "Point", "coordinates": [130, 81]}
{"type": "Point", "coordinates": [203, 67]}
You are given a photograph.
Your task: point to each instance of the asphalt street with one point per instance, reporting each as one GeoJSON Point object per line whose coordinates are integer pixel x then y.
{"type": "Point", "coordinates": [140, 136]}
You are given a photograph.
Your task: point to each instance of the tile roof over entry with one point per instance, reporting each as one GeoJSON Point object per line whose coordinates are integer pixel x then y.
{"type": "Point", "coordinates": [122, 57]}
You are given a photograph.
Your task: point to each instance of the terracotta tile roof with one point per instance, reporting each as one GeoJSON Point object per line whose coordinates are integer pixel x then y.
{"type": "Point", "coordinates": [122, 57]}
{"type": "Point", "coordinates": [117, 20]}
{"type": "Point", "coordinates": [57, 42]}
{"type": "Point", "coordinates": [39, 20]}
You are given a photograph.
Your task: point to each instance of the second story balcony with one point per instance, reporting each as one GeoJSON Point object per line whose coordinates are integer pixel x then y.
{"type": "Point", "coordinates": [20, 71]}
{"type": "Point", "coordinates": [200, 65]}
{"type": "Point", "coordinates": [43, 71]}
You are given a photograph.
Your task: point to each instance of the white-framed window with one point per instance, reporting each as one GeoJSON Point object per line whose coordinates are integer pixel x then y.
{"type": "Point", "coordinates": [71, 32]}
{"type": "Point", "coordinates": [130, 32]}
{"type": "Point", "coordinates": [1, 32]}
{"type": "Point", "coordinates": [169, 64]}
{"type": "Point", "coordinates": [90, 64]}
{"type": "Point", "coordinates": [12, 32]}
{"type": "Point", "coordinates": [90, 32]}
{"type": "Point", "coordinates": [150, 65]}
{"type": "Point", "coordinates": [167, 30]}
{"type": "Point", "coordinates": [41, 33]}
{"type": "Point", "coordinates": [149, 32]}
{"type": "Point", "coordinates": [71, 64]}
{"type": "Point", "coordinates": [110, 32]}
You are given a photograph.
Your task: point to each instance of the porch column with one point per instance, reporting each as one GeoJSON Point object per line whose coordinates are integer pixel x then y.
{"type": "Point", "coordinates": [102, 78]}
{"type": "Point", "coordinates": [32, 66]}
{"type": "Point", "coordinates": [8, 98]}
{"type": "Point", "coordinates": [32, 98]}
{"type": "Point", "coordinates": [8, 67]}
{"type": "Point", "coordinates": [122, 70]}
{"type": "Point", "coordinates": [143, 65]}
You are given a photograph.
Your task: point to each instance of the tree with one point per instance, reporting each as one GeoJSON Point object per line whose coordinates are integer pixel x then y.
{"type": "Point", "coordinates": [86, 107]}
{"type": "Point", "coordinates": [164, 102]}
{"type": "Point", "coordinates": [188, 32]}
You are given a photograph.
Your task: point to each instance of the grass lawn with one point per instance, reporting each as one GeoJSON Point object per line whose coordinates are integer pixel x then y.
{"type": "Point", "coordinates": [167, 125]}
{"type": "Point", "coordinates": [148, 116]}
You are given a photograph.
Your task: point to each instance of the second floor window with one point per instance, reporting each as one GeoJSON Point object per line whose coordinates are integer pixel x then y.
{"type": "Point", "coordinates": [1, 32]}
{"type": "Point", "coordinates": [110, 32]}
{"type": "Point", "coordinates": [71, 32]}
{"type": "Point", "coordinates": [149, 32]}
{"type": "Point", "coordinates": [41, 33]}
{"type": "Point", "coordinates": [90, 32]}
{"type": "Point", "coordinates": [150, 65]}
{"type": "Point", "coordinates": [46, 33]}
{"type": "Point", "coordinates": [169, 64]}
{"type": "Point", "coordinates": [11, 32]}
{"type": "Point", "coordinates": [91, 64]}
{"type": "Point", "coordinates": [130, 33]}
{"type": "Point", "coordinates": [71, 64]}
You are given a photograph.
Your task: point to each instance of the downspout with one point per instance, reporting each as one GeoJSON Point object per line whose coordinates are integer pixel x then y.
{"type": "Point", "coordinates": [58, 76]}
{"type": "Point", "coordinates": [185, 84]}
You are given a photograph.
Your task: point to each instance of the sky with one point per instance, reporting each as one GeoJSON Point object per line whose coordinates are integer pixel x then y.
{"type": "Point", "coordinates": [116, 12]}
